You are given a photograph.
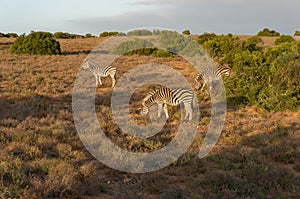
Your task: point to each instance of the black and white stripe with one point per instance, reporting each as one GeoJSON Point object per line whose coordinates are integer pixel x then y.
{"type": "Point", "coordinates": [165, 96]}
{"type": "Point", "coordinates": [100, 71]}
{"type": "Point", "coordinates": [207, 76]}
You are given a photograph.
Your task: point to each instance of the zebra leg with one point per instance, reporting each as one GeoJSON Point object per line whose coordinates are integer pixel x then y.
{"type": "Point", "coordinates": [113, 78]}
{"type": "Point", "coordinates": [96, 78]}
{"type": "Point", "coordinates": [159, 107]}
{"type": "Point", "coordinates": [188, 111]}
{"type": "Point", "coordinates": [166, 110]}
{"type": "Point", "coordinates": [100, 80]}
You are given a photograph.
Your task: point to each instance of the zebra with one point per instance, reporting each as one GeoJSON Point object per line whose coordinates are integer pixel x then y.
{"type": "Point", "coordinates": [206, 77]}
{"type": "Point", "coordinates": [173, 97]}
{"type": "Point", "coordinates": [99, 71]}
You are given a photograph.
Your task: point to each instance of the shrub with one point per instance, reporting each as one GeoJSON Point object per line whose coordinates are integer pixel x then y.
{"type": "Point", "coordinates": [253, 44]}
{"type": "Point", "coordinates": [206, 37]}
{"type": "Point", "coordinates": [269, 79]}
{"type": "Point", "coordinates": [107, 34]}
{"type": "Point", "coordinates": [162, 53]}
{"type": "Point", "coordinates": [268, 33]}
{"type": "Point", "coordinates": [65, 35]}
{"type": "Point", "coordinates": [11, 35]}
{"type": "Point", "coordinates": [136, 46]}
{"type": "Point", "coordinates": [283, 39]}
{"type": "Point", "coordinates": [186, 32]}
{"type": "Point", "coordinates": [41, 43]}
{"type": "Point", "coordinates": [139, 33]}
{"type": "Point", "coordinates": [297, 33]}
{"type": "Point", "coordinates": [89, 35]}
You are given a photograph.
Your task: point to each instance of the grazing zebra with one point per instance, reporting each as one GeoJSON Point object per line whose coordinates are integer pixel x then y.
{"type": "Point", "coordinates": [165, 96]}
{"type": "Point", "coordinates": [208, 76]}
{"type": "Point", "coordinates": [99, 71]}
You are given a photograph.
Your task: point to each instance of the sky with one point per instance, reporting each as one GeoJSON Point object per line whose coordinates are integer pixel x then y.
{"type": "Point", "coordinates": [198, 16]}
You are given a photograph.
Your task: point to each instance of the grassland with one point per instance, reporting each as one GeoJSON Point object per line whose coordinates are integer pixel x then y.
{"type": "Point", "coordinates": [41, 155]}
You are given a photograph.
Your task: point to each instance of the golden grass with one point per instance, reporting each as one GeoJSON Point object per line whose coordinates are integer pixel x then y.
{"type": "Point", "coordinates": [41, 155]}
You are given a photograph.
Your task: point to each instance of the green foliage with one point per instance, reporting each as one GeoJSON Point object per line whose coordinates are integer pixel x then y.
{"type": "Point", "coordinates": [107, 34]}
{"type": "Point", "coordinates": [283, 39]}
{"type": "Point", "coordinates": [205, 37]}
{"type": "Point", "coordinates": [254, 44]}
{"type": "Point", "coordinates": [179, 44]}
{"type": "Point", "coordinates": [223, 48]}
{"type": "Point", "coordinates": [268, 33]}
{"type": "Point", "coordinates": [186, 32]}
{"type": "Point", "coordinates": [162, 53]}
{"type": "Point", "coordinates": [11, 35]}
{"type": "Point", "coordinates": [269, 78]}
{"type": "Point", "coordinates": [136, 46]}
{"type": "Point", "coordinates": [139, 33]}
{"type": "Point", "coordinates": [65, 35]}
{"type": "Point", "coordinates": [156, 32]}
{"type": "Point", "coordinates": [140, 47]}
{"type": "Point", "coordinates": [297, 33]}
{"type": "Point", "coordinates": [40, 43]}
{"type": "Point", "coordinates": [89, 35]}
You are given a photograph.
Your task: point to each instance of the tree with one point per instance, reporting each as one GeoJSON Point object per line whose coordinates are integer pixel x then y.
{"type": "Point", "coordinates": [186, 32]}
{"type": "Point", "coordinates": [139, 33]}
{"type": "Point", "coordinates": [283, 39]}
{"type": "Point", "coordinates": [107, 34]}
{"type": "Point", "coordinates": [88, 35]}
{"type": "Point", "coordinates": [268, 33]}
{"type": "Point", "coordinates": [205, 37]}
{"type": "Point", "coordinates": [297, 33]}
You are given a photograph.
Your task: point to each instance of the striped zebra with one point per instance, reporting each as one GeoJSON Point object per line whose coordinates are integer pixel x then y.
{"type": "Point", "coordinates": [207, 76]}
{"type": "Point", "coordinates": [165, 96]}
{"type": "Point", "coordinates": [99, 71]}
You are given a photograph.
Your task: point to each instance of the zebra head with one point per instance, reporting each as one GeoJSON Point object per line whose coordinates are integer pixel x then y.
{"type": "Point", "coordinates": [145, 109]}
{"type": "Point", "coordinates": [148, 101]}
{"type": "Point", "coordinates": [86, 64]}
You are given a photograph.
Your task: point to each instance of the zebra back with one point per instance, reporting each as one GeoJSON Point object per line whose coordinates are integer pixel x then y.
{"type": "Point", "coordinates": [99, 70]}
{"type": "Point", "coordinates": [171, 97]}
{"type": "Point", "coordinates": [210, 74]}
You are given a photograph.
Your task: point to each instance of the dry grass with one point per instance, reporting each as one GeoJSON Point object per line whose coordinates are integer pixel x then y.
{"type": "Point", "coordinates": [41, 155]}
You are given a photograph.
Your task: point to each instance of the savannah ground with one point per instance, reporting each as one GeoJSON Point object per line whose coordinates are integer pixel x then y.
{"type": "Point", "coordinates": [41, 155]}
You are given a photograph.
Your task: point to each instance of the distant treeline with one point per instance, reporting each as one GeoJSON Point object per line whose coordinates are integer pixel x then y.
{"type": "Point", "coordinates": [8, 35]}
{"type": "Point", "coordinates": [65, 35]}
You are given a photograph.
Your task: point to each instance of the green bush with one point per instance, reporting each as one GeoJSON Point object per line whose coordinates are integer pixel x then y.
{"type": "Point", "coordinates": [162, 53]}
{"type": "Point", "coordinates": [283, 39]}
{"type": "Point", "coordinates": [297, 33]}
{"type": "Point", "coordinates": [140, 47]}
{"type": "Point", "coordinates": [139, 33]}
{"type": "Point", "coordinates": [107, 34]}
{"type": "Point", "coordinates": [89, 35]}
{"type": "Point", "coordinates": [269, 79]}
{"type": "Point", "coordinates": [11, 35]}
{"type": "Point", "coordinates": [268, 33]}
{"type": "Point", "coordinates": [254, 44]}
{"type": "Point", "coordinates": [179, 44]}
{"type": "Point", "coordinates": [206, 37]}
{"type": "Point", "coordinates": [136, 46]}
{"type": "Point", "coordinates": [186, 32]}
{"type": "Point", "coordinates": [40, 43]}
{"type": "Point", "coordinates": [65, 35]}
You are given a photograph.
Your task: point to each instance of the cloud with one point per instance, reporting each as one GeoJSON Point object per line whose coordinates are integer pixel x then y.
{"type": "Point", "coordinates": [176, 2]}
{"type": "Point", "coordinates": [220, 16]}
